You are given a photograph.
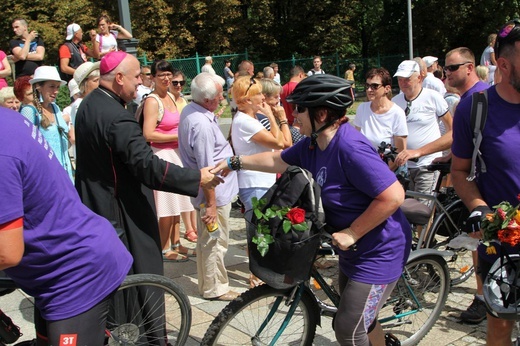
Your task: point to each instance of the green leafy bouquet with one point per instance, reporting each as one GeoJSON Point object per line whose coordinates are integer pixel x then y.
{"type": "Point", "coordinates": [502, 224]}
{"type": "Point", "coordinates": [293, 219]}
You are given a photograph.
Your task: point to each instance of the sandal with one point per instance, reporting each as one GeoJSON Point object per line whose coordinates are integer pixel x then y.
{"type": "Point", "coordinates": [183, 250]}
{"type": "Point", "coordinates": [191, 236]}
{"type": "Point", "coordinates": [173, 256]}
{"type": "Point", "coordinates": [254, 281]}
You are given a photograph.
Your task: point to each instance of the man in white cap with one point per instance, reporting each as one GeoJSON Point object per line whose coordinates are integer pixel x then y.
{"type": "Point", "coordinates": [432, 82]}
{"type": "Point", "coordinates": [73, 52]}
{"type": "Point", "coordinates": [423, 109]}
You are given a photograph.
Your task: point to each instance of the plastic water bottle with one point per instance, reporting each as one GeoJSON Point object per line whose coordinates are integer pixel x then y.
{"type": "Point", "coordinates": [214, 231]}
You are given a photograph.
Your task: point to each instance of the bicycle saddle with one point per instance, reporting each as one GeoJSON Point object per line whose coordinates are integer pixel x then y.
{"type": "Point", "coordinates": [443, 167]}
{"type": "Point", "coordinates": [416, 212]}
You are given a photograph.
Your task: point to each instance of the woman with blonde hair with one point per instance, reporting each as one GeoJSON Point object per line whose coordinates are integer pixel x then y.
{"type": "Point", "coordinates": [8, 99]}
{"type": "Point", "coordinates": [45, 114]}
{"type": "Point", "coordinates": [161, 130]}
{"type": "Point", "coordinates": [271, 91]}
{"type": "Point", "coordinates": [249, 137]}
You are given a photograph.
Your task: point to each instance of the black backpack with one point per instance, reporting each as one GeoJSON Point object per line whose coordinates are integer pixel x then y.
{"type": "Point", "coordinates": [290, 258]}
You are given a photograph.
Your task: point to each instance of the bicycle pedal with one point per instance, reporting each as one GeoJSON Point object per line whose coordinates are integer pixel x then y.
{"type": "Point", "coordinates": [391, 340]}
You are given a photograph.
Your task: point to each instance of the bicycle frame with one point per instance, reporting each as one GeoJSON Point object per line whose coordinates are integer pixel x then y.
{"type": "Point", "coordinates": [331, 293]}
{"type": "Point", "coordinates": [437, 204]}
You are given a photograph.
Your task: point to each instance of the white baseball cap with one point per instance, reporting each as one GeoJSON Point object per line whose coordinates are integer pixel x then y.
{"type": "Point", "coordinates": [429, 60]}
{"type": "Point", "coordinates": [71, 30]}
{"type": "Point", "coordinates": [407, 68]}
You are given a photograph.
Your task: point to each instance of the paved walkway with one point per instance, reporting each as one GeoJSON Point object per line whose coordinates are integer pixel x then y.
{"type": "Point", "coordinates": [448, 330]}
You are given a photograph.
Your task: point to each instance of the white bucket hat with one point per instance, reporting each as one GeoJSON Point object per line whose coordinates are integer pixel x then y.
{"type": "Point", "coordinates": [84, 70]}
{"type": "Point", "coordinates": [46, 73]}
{"type": "Point", "coordinates": [73, 88]}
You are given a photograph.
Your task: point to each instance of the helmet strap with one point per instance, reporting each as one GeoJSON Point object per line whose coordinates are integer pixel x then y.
{"type": "Point", "coordinates": [315, 133]}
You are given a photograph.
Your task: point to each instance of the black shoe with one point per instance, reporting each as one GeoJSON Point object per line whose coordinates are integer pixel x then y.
{"type": "Point", "coordinates": [475, 313]}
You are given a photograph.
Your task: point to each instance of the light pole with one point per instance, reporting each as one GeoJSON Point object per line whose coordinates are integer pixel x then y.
{"type": "Point", "coordinates": [410, 33]}
{"type": "Point", "coordinates": [126, 22]}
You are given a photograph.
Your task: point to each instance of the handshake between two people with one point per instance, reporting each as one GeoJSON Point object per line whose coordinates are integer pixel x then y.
{"type": "Point", "coordinates": [210, 177]}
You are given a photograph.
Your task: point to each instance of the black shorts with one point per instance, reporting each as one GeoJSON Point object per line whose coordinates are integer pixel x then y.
{"type": "Point", "coordinates": [87, 328]}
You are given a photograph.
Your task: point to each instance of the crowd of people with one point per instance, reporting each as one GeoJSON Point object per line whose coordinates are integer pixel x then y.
{"type": "Point", "coordinates": [144, 176]}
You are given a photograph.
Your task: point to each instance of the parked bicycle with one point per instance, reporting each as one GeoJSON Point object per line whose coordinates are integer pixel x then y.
{"type": "Point", "coordinates": [147, 309]}
{"type": "Point", "coordinates": [435, 225]}
{"type": "Point", "coordinates": [267, 316]}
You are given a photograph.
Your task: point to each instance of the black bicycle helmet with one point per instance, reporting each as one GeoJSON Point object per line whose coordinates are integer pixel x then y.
{"type": "Point", "coordinates": [322, 90]}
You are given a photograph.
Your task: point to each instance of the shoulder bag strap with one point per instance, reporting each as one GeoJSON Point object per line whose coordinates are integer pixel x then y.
{"type": "Point", "coordinates": [479, 112]}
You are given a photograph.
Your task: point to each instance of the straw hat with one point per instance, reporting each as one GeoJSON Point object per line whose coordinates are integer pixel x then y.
{"type": "Point", "coordinates": [84, 70]}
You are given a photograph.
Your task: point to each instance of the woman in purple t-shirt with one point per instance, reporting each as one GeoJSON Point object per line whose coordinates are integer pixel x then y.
{"type": "Point", "coordinates": [360, 196]}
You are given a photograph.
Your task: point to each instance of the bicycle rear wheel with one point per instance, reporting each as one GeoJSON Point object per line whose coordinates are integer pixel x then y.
{"type": "Point", "coordinates": [460, 265]}
{"type": "Point", "coordinates": [149, 309]}
{"type": "Point", "coordinates": [417, 300]}
{"type": "Point", "coordinates": [239, 323]}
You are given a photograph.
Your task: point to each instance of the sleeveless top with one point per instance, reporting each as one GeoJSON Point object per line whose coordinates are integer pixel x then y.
{"type": "Point", "coordinates": [56, 134]}
{"type": "Point", "coordinates": [168, 125]}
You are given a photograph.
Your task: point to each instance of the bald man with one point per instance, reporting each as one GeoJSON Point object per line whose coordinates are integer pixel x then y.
{"type": "Point", "coordinates": [116, 169]}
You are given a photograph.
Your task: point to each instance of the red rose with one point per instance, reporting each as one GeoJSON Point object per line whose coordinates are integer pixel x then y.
{"type": "Point", "coordinates": [296, 215]}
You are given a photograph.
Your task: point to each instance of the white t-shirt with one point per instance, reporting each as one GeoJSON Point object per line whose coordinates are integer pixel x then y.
{"type": "Point", "coordinates": [107, 42]}
{"type": "Point", "coordinates": [485, 60]}
{"type": "Point", "coordinates": [434, 83]}
{"type": "Point", "coordinates": [243, 128]}
{"type": "Point", "coordinates": [208, 68]}
{"type": "Point", "coordinates": [141, 91]}
{"type": "Point", "coordinates": [312, 72]}
{"type": "Point", "coordinates": [423, 122]}
{"type": "Point", "coordinates": [381, 127]}
{"type": "Point", "coordinates": [277, 78]}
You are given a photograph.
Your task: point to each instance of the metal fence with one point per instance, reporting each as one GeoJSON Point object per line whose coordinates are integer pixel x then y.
{"type": "Point", "coordinates": [332, 64]}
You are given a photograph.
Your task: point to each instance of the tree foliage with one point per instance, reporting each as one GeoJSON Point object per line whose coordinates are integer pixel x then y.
{"type": "Point", "coordinates": [273, 29]}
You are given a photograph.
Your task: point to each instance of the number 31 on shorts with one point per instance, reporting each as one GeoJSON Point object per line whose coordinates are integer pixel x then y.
{"type": "Point", "coordinates": [68, 339]}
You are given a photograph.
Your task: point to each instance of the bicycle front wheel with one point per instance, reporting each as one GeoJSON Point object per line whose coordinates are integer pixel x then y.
{"type": "Point", "coordinates": [443, 230]}
{"type": "Point", "coordinates": [251, 319]}
{"type": "Point", "coordinates": [148, 309]}
{"type": "Point", "coordinates": [417, 300]}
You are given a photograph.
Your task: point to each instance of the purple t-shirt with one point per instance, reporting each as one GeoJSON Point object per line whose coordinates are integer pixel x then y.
{"type": "Point", "coordinates": [73, 258]}
{"type": "Point", "coordinates": [478, 86]}
{"type": "Point", "coordinates": [351, 174]}
{"type": "Point", "coordinates": [500, 143]}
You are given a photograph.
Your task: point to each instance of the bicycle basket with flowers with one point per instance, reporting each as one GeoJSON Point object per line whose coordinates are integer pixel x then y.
{"type": "Point", "coordinates": [284, 234]}
{"type": "Point", "coordinates": [292, 219]}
